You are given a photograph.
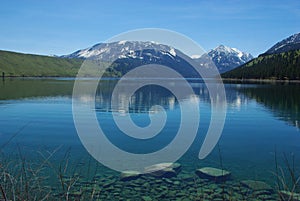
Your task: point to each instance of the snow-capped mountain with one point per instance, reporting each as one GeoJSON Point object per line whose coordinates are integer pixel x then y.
{"type": "Point", "coordinates": [226, 58]}
{"type": "Point", "coordinates": [121, 50]}
{"type": "Point", "coordinates": [126, 55]}
{"type": "Point", "coordinates": [290, 43]}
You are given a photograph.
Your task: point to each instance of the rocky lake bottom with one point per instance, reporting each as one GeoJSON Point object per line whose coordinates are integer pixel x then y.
{"type": "Point", "coordinates": [170, 186]}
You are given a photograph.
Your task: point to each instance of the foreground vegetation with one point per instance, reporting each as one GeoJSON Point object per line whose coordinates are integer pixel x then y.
{"type": "Point", "coordinates": [50, 178]}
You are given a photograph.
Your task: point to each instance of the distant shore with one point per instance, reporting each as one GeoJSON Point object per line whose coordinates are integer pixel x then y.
{"type": "Point", "coordinates": [235, 80]}
{"type": "Point", "coordinates": [226, 80]}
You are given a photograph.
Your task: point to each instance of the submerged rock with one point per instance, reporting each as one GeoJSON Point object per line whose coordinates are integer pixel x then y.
{"type": "Point", "coordinates": [287, 195]}
{"type": "Point", "coordinates": [129, 175]}
{"type": "Point", "coordinates": [213, 174]}
{"type": "Point", "coordinates": [163, 170]}
{"type": "Point", "coordinates": [256, 185]}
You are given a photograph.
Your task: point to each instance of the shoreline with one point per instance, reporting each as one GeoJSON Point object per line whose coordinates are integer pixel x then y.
{"type": "Point", "coordinates": [226, 80]}
{"type": "Point", "coordinates": [258, 80]}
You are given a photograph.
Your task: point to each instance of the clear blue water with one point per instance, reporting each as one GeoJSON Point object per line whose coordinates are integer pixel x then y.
{"type": "Point", "coordinates": [36, 116]}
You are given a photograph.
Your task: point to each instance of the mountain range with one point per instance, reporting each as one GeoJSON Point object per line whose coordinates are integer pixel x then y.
{"type": "Point", "coordinates": [225, 58]}
{"type": "Point", "coordinates": [279, 62]}
{"type": "Point", "coordinates": [123, 56]}
{"type": "Point", "coordinates": [120, 50]}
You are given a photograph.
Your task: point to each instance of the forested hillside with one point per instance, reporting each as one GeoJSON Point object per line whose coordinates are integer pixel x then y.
{"type": "Point", "coordinates": [285, 65]}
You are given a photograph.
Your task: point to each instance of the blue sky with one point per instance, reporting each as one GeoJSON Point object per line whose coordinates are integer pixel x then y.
{"type": "Point", "coordinates": [61, 27]}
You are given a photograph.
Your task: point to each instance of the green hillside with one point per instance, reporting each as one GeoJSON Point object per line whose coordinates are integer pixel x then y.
{"type": "Point", "coordinates": [17, 64]}
{"type": "Point", "coordinates": [274, 66]}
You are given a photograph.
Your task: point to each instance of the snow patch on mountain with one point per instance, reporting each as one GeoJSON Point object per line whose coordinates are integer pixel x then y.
{"type": "Point", "coordinates": [195, 56]}
{"type": "Point", "coordinates": [122, 42]}
{"type": "Point", "coordinates": [172, 52]}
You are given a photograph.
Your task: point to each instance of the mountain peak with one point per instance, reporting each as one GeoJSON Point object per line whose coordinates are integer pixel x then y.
{"type": "Point", "coordinates": [227, 58]}
{"type": "Point", "coordinates": [290, 43]}
{"type": "Point", "coordinates": [222, 48]}
{"type": "Point", "coordinates": [231, 50]}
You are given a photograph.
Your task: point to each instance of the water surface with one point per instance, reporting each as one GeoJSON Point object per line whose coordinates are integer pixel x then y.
{"type": "Point", "coordinates": [262, 123]}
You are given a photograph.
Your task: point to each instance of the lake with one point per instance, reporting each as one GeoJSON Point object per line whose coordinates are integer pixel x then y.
{"type": "Point", "coordinates": [40, 146]}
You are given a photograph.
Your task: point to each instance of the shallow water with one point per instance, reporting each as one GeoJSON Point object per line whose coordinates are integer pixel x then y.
{"type": "Point", "coordinates": [262, 123]}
